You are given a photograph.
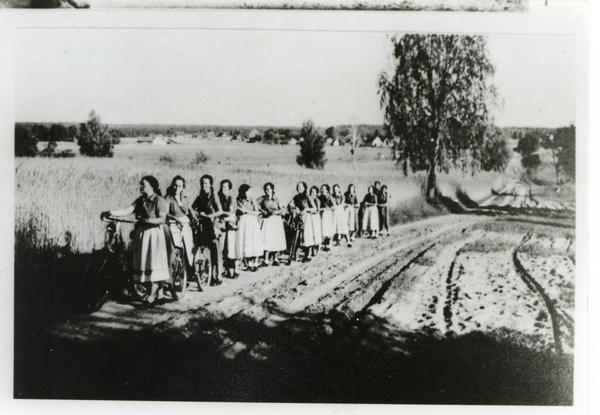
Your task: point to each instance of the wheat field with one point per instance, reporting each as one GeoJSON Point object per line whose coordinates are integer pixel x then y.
{"type": "Point", "coordinates": [58, 201]}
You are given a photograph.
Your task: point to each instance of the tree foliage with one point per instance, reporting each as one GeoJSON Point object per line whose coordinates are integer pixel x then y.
{"type": "Point", "coordinates": [312, 153]}
{"type": "Point", "coordinates": [25, 142]}
{"type": "Point", "coordinates": [436, 101]}
{"type": "Point", "coordinates": [495, 154]}
{"type": "Point", "coordinates": [527, 146]}
{"type": "Point", "coordinates": [565, 139]}
{"type": "Point", "coordinates": [94, 139]}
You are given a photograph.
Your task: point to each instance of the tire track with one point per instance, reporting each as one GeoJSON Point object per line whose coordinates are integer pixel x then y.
{"type": "Point", "coordinates": [536, 287]}
{"type": "Point", "coordinates": [378, 296]}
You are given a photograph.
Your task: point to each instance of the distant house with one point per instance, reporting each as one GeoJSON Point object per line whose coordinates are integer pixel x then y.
{"type": "Point", "coordinates": [144, 140]}
{"type": "Point", "coordinates": [387, 142]}
{"type": "Point", "coordinates": [329, 141]}
{"type": "Point", "coordinates": [159, 140]}
{"type": "Point", "coordinates": [253, 134]}
{"type": "Point", "coordinates": [210, 135]}
{"type": "Point", "coordinates": [226, 137]}
{"type": "Point", "coordinates": [377, 142]}
{"type": "Point", "coordinates": [293, 142]}
{"type": "Point", "coordinates": [336, 143]}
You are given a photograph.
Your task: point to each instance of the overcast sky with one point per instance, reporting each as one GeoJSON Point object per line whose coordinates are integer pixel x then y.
{"type": "Point", "coordinates": [249, 77]}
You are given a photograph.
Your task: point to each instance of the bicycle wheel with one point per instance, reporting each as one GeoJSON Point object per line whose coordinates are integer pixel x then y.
{"type": "Point", "coordinates": [140, 289]}
{"type": "Point", "coordinates": [178, 285]}
{"type": "Point", "coordinates": [94, 283]}
{"type": "Point", "coordinates": [202, 267]}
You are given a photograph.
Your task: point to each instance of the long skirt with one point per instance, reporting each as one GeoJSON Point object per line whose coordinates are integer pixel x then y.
{"type": "Point", "coordinates": [273, 234]}
{"type": "Point", "coordinates": [340, 221]}
{"type": "Point", "coordinates": [315, 220]}
{"type": "Point", "coordinates": [248, 239]}
{"type": "Point", "coordinates": [308, 234]}
{"type": "Point", "coordinates": [151, 255]}
{"type": "Point", "coordinates": [352, 213]}
{"type": "Point", "coordinates": [183, 238]}
{"type": "Point", "coordinates": [327, 224]}
{"type": "Point", "coordinates": [370, 219]}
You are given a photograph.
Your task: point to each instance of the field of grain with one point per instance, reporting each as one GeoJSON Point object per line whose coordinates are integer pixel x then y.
{"type": "Point", "coordinates": [58, 201]}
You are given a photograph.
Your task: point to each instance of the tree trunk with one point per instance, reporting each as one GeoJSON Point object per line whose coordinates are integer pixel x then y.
{"type": "Point", "coordinates": [431, 194]}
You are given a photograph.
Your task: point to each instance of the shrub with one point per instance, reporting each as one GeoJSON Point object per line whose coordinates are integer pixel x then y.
{"type": "Point", "coordinates": [200, 158]}
{"type": "Point", "coordinates": [94, 140]}
{"type": "Point", "coordinates": [25, 142]}
{"type": "Point", "coordinates": [495, 154]}
{"type": "Point", "coordinates": [166, 158]}
{"type": "Point", "coordinates": [65, 154]}
{"type": "Point", "coordinates": [49, 150]}
{"type": "Point", "coordinates": [312, 153]}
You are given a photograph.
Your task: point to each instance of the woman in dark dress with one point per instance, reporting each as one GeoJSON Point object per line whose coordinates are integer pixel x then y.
{"type": "Point", "coordinates": [207, 209]}
{"type": "Point", "coordinates": [383, 210]}
{"type": "Point", "coordinates": [352, 207]}
{"type": "Point", "coordinates": [178, 219]}
{"type": "Point", "coordinates": [229, 208]}
{"type": "Point", "coordinates": [302, 207]}
{"type": "Point", "coordinates": [327, 204]}
{"type": "Point", "coordinates": [371, 214]}
{"type": "Point", "coordinates": [152, 245]}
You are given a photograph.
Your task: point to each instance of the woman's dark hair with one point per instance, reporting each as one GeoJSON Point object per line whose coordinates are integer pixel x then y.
{"type": "Point", "coordinates": [350, 186]}
{"type": "Point", "coordinates": [371, 187]}
{"type": "Point", "coordinates": [338, 186]}
{"type": "Point", "coordinates": [315, 188]}
{"type": "Point", "coordinates": [243, 192]}
{"type": "Point", "coordinates": [171, 189]}
{"type": "Point", "coordinates": [209, 177]}
{"type": "Point", "coordinates": [305, 186]}
{"type": "Point", "coordinates": [384, 187]}
{"type": "Point", "coordinates": [377, 182]}
{"type": "Point", "coordinates": [228, 182]}
{"type": "Point", "coordinates": [153, 181]}
{"type": "Point", "coordinates": [326, 186]}
{"type": "Point", "coordinates": [269, 184]}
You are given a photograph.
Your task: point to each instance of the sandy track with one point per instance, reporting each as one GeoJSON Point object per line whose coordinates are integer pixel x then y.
{"type": "Point", "coordinates": [429, 275]}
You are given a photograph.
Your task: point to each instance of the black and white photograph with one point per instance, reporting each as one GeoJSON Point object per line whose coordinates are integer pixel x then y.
{"type": "Point", "coordinates": [344, 213]}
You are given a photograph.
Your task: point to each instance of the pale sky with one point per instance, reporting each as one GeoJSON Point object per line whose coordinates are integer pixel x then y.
{"type": "Point", "coordinates": [258, 77]}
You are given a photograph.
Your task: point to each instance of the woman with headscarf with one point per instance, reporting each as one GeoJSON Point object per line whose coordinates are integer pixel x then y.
{"type": "Point", "coordinates": [371, 214]}
{"type": "Point", "coordinates": [272, 225]}
{"type": "Point", "coordinates": [248, 238]}
{"type": "Point", "coordinates": [152, 245]}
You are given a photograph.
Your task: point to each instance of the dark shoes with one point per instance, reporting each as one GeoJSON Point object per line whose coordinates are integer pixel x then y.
{"type": "Point", "coordinates": [306, 259]}
{"type": "Point", "coordinates": [215, 283]}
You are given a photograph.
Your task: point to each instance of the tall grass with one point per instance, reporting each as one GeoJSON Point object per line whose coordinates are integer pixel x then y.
{"type": "Point", "coordinates": [58, 201]}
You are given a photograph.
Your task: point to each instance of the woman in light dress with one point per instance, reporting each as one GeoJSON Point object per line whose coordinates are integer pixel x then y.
{"type": "Point", "coordinates": [352, 207]}
{"type": "Point", "coordinates": [326, 216]}
{"type": "Point", "coordinates": [315, 218]}
{"type": "Point", "coordinates": [371, 213]}
{"type": "Point", "coordinates": [152, 244]}
{"type": "Point", "coordinates": [340, 218]}
{"type": "Point", "coordinates": [248, 237]}
{"type": "Point", "coordinates": [273, 232]}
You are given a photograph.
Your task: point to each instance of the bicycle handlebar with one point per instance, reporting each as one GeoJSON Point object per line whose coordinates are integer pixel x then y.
{"type": "Point", "coordinates": [112, 219]}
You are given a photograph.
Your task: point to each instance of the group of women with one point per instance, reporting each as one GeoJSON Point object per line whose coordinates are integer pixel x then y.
{"type": "Point", "coordinates": [243, 231]}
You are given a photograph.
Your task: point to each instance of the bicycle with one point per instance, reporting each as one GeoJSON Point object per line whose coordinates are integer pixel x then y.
{"type": "Point", "coordinates": [109, 272]}
{"type": "Point", "coordinates": [205, 254]}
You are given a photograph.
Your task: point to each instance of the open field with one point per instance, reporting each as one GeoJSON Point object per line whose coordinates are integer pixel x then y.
{"type": "Point", "coordinates": [456, 309]}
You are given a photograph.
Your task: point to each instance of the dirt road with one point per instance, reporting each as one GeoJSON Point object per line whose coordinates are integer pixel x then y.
{"type": "Point", "coordinates": [453, 309]}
